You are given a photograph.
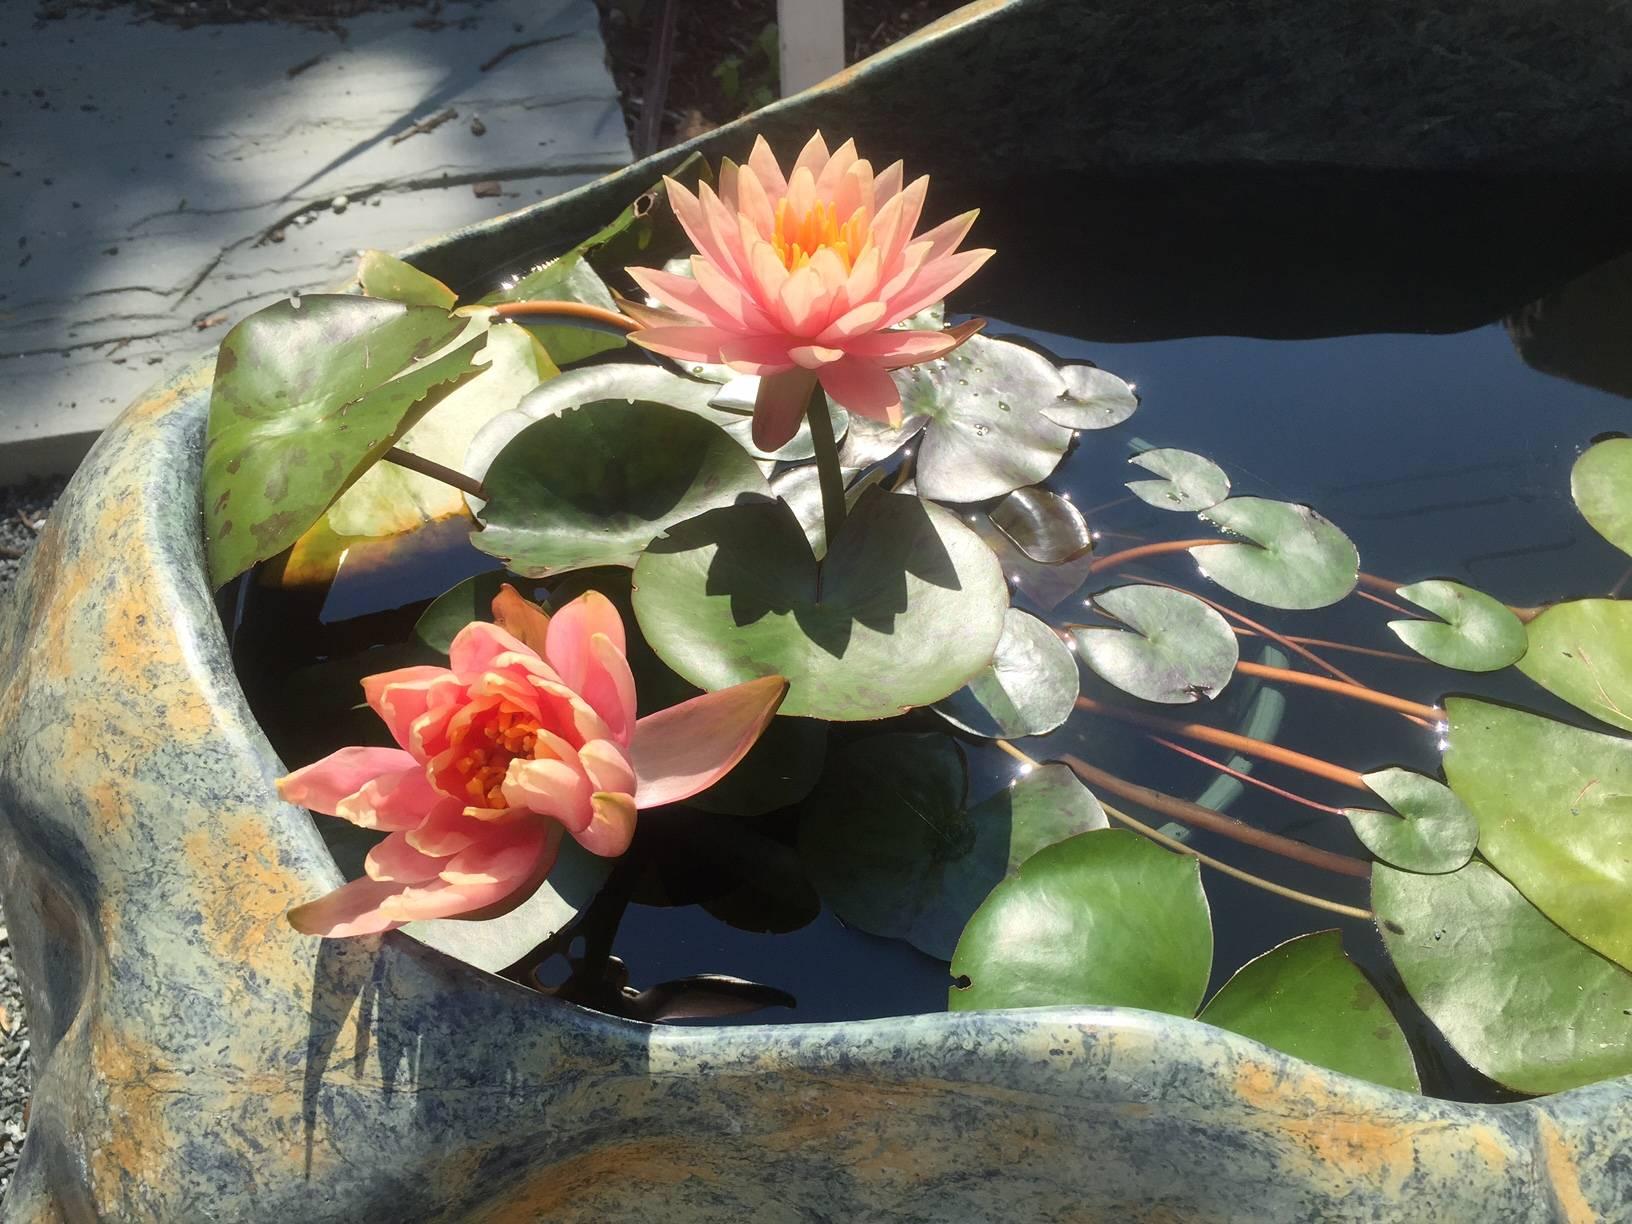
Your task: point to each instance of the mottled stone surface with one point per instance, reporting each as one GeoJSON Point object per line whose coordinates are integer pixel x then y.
{"type": "Point", "coordinates": [196, 1059]}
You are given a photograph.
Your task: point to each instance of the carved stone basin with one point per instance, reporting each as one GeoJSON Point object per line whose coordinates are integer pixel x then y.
{"type": "Point", "coordinates": [197, 1059]}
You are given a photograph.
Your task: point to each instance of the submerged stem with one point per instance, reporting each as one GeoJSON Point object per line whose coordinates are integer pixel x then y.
{"type": "Point", "coordinates": [828, 471]}
{"type": "Point", "coordinates": [1386, 700]}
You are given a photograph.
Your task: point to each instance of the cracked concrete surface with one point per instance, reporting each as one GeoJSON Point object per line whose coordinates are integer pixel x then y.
{"type": "Point", "coordinates": [162, 183]}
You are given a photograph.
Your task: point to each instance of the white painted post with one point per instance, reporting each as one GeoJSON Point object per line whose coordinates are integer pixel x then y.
{"type": "Point", "coordinates": [811, 33]}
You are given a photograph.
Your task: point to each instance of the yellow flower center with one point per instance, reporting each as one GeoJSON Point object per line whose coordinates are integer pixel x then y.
{"type": "Point", "coordinates": [487, 754]}
{"type": "Point", "coordinates": [798, 238]}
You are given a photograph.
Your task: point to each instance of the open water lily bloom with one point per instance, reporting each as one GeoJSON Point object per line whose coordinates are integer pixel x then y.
{"type": "Point", "coordinates": [800, 278]}
{"type": "Point", "coordinates": [527, 735]}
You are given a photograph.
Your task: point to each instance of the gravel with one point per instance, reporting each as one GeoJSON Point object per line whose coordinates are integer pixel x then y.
{"type": "Point", "coordinates": [22, 514]}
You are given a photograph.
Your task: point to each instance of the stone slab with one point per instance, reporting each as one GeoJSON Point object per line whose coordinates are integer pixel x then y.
{"type": "Point", "coordinates": [158, 184]}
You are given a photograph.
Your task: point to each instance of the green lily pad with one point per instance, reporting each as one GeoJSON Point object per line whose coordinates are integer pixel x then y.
{"type": "Point", "coordinates": [1479, 634]}
{"type": "Point", "coordinates": [1297, 559]}
{"type": "Point", "coordinates": [869, 441]}
{"type": "Point", "coordinates": [594, 485]}
{"type": "Point", "coordinates": [1306, 999]}
{"type": "Point", "coordinates": [1518, 998]}
{"type": "Point", "coordinates": [801, 488]}
{"type": "Point", "coordinates": [1103, 918]}
{"type": "Point", "coordinates": [567, 279]}
{"type": "Point", "coordinates": [986, 434]}
{"type": "Point", "coordinates": [1434, 831]}
{"type": "Point", "coordinates": [385, 276]}
{"type": "Point", "coordinates": [890, 841]}
{"type": "Point", "coordinates": [1029, 688]}
{"type": "Point", "coordinates": [1189, 481]}
{"type": "Point", "coordinates": [1553, 803]}
{"type": "Point", "coordinates": [1092, 399]}
{"type": "Point", "coordinates": [1601, 483]}
{"type": "Point", "coordinates": [1047, 586]}
{"type": "Point", "coordinates": [305, 397]}
{"type": "Point", "coordinates": [905, 609]}
{"type": "Point", "coordinates": [388, 499]}
{"type": "Point", "coordinates": [493, 944]}
{"type": "Point", "coordinates": [1582, 651]}
{"type": "Point", "coordinates": [1175, 648]}
{"type": "Point", "coordinates": [779, 770]}
{"type": "Point", "coordinates": [1043, 525]}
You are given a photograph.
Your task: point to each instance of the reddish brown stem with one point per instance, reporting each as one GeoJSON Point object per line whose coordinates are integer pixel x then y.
{"type": "Point", "coordinates": [1243, 744]}
{"type": "Point", "coordinates": [1246, 777]}
{"type": "Point", "coordinates": [1112, 560]}
{"type": "Point", "coordinates": [1197, 816]}
{"type": "Point", "coordinates": [427, 467]}
{"type": "Point", "coordinates": [565, 310]}
{"type": "Point", "coordinates": [1393, 656]}
{"type": "Point", "coordinates": [1287, 676]}
{"type": "Point", "coordinates": [1389, 604]}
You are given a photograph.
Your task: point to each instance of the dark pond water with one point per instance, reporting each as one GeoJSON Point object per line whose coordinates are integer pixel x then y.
{"type": "Point", "coordinates": [1438, 352]}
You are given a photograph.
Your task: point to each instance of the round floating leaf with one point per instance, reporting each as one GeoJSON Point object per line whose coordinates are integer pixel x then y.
{"type": "Point", "coordinates": [1296, 560]}
{"type": "Point", "coordinates": [801, 488]}
{"type": "Point", "coordinates": [1479, 634]}
{"type": "Point", "coordinates": [1306, 999]}
{"type": "Point", "coordinates": [1104, 918]}
{"type": "Point", "coordinates": [869, 441]}
{"type": "Point", "coordinates": [1175, 648]}
{"type": "Point", "coordinates": [1093, 399]}
{"type": "Point", "coordinates": [1554, 804]}
{"type": "Point", "coordinates": [986, 433]}
{"type": "Point", "coordinates": [1045, 585]}
{"type": "Point", "coordinates": [594, 485]}
{"type": "Point", "coordinates": [495, 943]}
{"type": "Point", "coordinates": [387, 499]}
{"type": "Point", "coordinates": [1601, 483]}
{"type": "Point", "coordinates": [1189, 481]}
{"type": "Point", "coordinates": [1028, 688]}
{"type": "Point", "coordinates": [305, 396]}
{"type": "Point", "coordinates": [385, 276]}
{"type": "Point", "coordinates": [1043, 525]}
{"type": "Point", "coordinates": [1514, 995]}
{"type": "Point", "coordinates": [907, 606]}
{"type": "Point", "coordinates": [1582, 651]}
{"type": "Point", "coordinates": [890, 843]}
{"type": "Point", "coordinates": [1434, 831]}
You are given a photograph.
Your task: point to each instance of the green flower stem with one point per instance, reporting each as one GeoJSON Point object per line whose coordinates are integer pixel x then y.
{"type": "Point", "coordinates": [827, 463]}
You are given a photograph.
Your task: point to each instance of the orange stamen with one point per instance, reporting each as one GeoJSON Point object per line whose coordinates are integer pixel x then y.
{"type": "Point", "coordinates": [797, 239]}
{"type": "Point", "coordinates": [488, 746]}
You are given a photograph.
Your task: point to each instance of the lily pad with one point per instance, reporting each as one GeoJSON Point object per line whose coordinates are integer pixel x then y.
{"type": "Point", "coordinates": [1175, 648]}
{"type": "Point", "coordinates": [388, 499]}
{"type": "Point", "coordinates": [1554, 804]}
{"type": "Point", "coordinates": [1434, 831]}
{"type": "Point", "coordinates": [1092, 399]}
{"type": "Point", "coordinates": [1189, 481]}
{"type": "Point", "coordinates": [1480, 634]}
{"type": "Point", "coordinates": [1103, 918]}
{"type": "Point", "coordinates": [868, 441]}
{"type": "Point", "coordinates": [905, 609]}
{"type": "Point", "coordinates": [1582, 651]}
{"type": "Point", "coordinates": [1306, 999]}
{"type": "Point", "coordinates": [1043, 525]}
{"type": "Point", "coordinates": [385, 276]}
{"type": "Point", "coordinates": [779, 770]}
{"type": "Point", "coordinates": [305, 397]}
{"type": "Point", "coordinates": [567, 279]}
{"type": "Point", "coordinates": [594, 485]}
{"type": "Point", "coordinates": [1029, 688]}
{"type": "Point", "coordinates": [493, 944]}
{"type": "Point", "coordinates": [986, 433]}
{"type": "Point", "coordinates": [890, 842]}
{"type": "Point", "coordinates": [1297, 559]}
{"type": "Point", "coordinates": [1601, 483]}
{"type": "Point", "coordinates": [801, 488]}
{"type": "Point", "coordinates": [1518, 998]}
{"type": "Point", "coordinates": [1046, 586]}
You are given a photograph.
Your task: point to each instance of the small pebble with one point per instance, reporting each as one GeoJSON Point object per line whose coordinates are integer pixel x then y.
{"type": "Point", "coordinates": [339, 203]}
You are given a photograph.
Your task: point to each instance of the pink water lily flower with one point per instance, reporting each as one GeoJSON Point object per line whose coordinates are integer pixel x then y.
{"type": "Point", "coordinates": [798, 278]}
{"type": "Point", "coordinates": [502, 753]}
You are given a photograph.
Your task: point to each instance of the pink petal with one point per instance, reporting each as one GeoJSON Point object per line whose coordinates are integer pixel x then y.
{"type": "Point", "coordinates": [778, 409]}
{"type": "Point", "coordinates": [812, 158]}
{"type": "Point", "coordinates": [607, 766]}
{"type": "Point", "coordinates": [944, 238]}
{"type": "Point", "coordinates": [724, 233]}
{"type": "Point", "coordinates": [814, 356]}
{"type": "Point", "coordinates": [687, 748]}
{"type": "Point", "coordinates": [394, 859]}
{"type": "Point", "coordinates": [936, 279]}
{"type": "Point", "coordinates": [862, 319]}
{"type": "Point", "coordinates": [447, 830]}
{"type": "Point", "coordinates": [510, 854]}
{"type": "Point", "coordinates": [682, 293]}
{"type": "Point", "coordinates": [895, 349]}
{"type": "Point", "coordinates": [551, 787]}
{"type": "Point", "coordinates": [567, 644]}
{"type": "Point", "coordinates": [892, 229]}
{"type": "Point", "coordinates": [854, 191]}
{"type": "Point", "coordinates": [440, 899]}
{"type": "Point", "coordinates": [753, 202]}
{"type": "Point", "coordinates": [801, 195]}
{"type": "Point", "coordinates": [861, 386]}
{"type": "Point", "coordinates": [391, 801]}
{"type": "Point", "coordinates": [689, 210]}
{"type": "Point", "coordinates": [351, 909]}
{"type": "Point", "coordinates": [799, 297]}
{"type": "Point", "coordinates": [730, 174]}
{"type": "Point", "coordinates": [478, 645]}
{"type": "Point", "coordinates": [729, 298]}
{"type": "Point", "coordinates": [757, 354]}
{"type": "Point", "coordinates": [887, 185]}
{"type": "Point", "coordinates": [769, 275]}
{"type": "Point", "coordinates": [610, 687]}
{"type": "Point", "coordinates": [321, 785]}
{"type": "Point", "coordinates": [864, 279]}
{"type": "Point", "coordinates": [612, 826]}
{"type": "Point", "coordinates": [830, 176]}
{"type": "Point", "coordinates": [401, 696]}
{"type": "Point", "coordinates": [700, 343]}
{"type": "Point", "coordinates": [765, 168]}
